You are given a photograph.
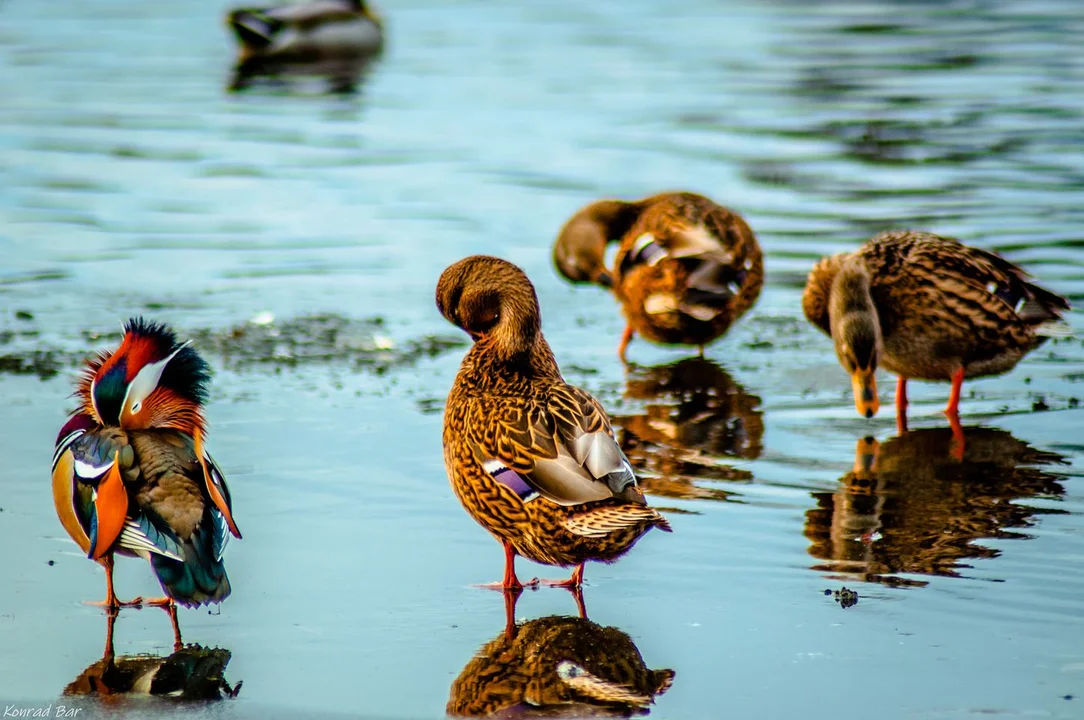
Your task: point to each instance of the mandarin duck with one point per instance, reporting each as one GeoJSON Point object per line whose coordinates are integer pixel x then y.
{"type": "Point", "coordinates": [131, 475]}
{"type": "Point", "coordinates": [930, 308]}
{"type": "Point", "coordinates": [557, 667]}
{"type": "Point", "coordinates": [686, 268]}
{"type": "Point", "coordinates": [315, 37]}
{"type": "Point", "coordinates": [531, 458]}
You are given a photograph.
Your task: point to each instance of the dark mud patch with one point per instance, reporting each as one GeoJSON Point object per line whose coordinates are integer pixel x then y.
{"type": "Point", "coordinates": [265, 343]}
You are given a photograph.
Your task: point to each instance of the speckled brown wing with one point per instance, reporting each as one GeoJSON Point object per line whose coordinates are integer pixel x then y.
{"type": "Point", "coordinates": [964, 303]}
{"type": "Point", "coordinates": [559, 441]}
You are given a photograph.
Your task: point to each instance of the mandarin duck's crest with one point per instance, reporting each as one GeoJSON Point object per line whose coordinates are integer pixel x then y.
{"type": "Point", "coordinates": [150, 381]}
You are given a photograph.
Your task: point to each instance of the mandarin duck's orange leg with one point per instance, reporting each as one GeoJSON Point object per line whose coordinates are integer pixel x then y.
{"type": "Point", "coordinates": [574, 581]}
{"type": "Point", "coordinates": [626, 338]}
{"type": "Point", "coordinates": [111, 602]}
{"type": "Point", "coordinates": [510, 581]}
{"type": "Point", "coordinates": [901, 405]}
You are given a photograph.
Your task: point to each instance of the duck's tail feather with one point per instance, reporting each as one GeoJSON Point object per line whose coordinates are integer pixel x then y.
{"type": "Point", "coordinates": [201, 578]}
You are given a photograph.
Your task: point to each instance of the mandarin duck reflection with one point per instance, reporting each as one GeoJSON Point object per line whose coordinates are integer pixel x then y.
{"type": "Point", "coordinates": [927, 307]}
{"type": "Point", "coordinates": [131, 475]}
{"type": "Point", "coordinates": [190, 672]}
{"type": "Point", "coordinates": [532, 458]}
{"type": "Point", "coordinates": [686, 268]}
{"type": "Point", "coordinates": [557, 667]}
{"type": "Point", "coordinates": [910, 507]}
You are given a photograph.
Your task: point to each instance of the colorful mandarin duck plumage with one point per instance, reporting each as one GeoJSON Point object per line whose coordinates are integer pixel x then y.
{"type": "Point", "coordinates": [130, 472]}
{"type": "Point", "coordinates": [532, 458]}
{"type": "Point", "coordinates": [685, 271]}
{"type": "Point", "coordinates": [927, 307]}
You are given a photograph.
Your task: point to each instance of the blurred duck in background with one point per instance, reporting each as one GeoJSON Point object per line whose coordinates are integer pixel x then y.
{"type": "Point", "coordinates": [336, 39]}
{"type": "Point", "coordinates": [686, 268]}
{"type": "Point", "coordinates": [131, 475]}
{"type": "Point", "coordinates": [927, 307]}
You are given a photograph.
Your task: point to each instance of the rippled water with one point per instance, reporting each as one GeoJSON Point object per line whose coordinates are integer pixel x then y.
{"type": "Point", "coordinates": [133, 182]}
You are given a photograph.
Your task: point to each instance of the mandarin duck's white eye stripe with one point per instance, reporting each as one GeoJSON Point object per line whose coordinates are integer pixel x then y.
{"type": "Point", "coordinates": [146, 380]}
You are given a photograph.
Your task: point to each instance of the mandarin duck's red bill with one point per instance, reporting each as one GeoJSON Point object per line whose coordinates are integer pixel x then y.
{"type": "Point", "coordinates": [131, 475]}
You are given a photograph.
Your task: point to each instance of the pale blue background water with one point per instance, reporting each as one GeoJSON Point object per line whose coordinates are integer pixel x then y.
{"type": "Point", "coordinates": [133, 183]}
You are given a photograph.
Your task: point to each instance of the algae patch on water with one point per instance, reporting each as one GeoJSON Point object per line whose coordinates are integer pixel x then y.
{"type": "Point", "coordinates": [264, 342]}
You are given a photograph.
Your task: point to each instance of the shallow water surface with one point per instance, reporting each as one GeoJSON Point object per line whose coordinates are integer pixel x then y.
{"type": "Point", "coordinates": [298, 237]}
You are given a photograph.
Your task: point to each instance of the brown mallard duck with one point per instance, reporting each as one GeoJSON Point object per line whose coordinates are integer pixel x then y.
{"type": "Point", "coordinates": [927, 307]}
{"type": "Point", "coordinates": [532, 458]}
{"type": "Point", "coordinates": [557, 666]}
{"type": "Point", "coordinates": [685, 271]}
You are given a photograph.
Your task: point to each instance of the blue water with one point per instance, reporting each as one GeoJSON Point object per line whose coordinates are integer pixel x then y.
{"type": "Point", "coordinates": [134, 183]}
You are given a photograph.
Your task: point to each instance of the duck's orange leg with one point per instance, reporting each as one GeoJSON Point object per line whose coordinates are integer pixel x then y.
{"type": "Point", "coordinates": [510, 581]}
{"type": "Point", "coordinates": [901, 405]}
{"type": "Point", "coordinates": [626, 338]}
{"type": "Point", "coordinates": [953, 406]}
{"type": "Point", "coordinates": [574, 581]}
{"type": "Point", "coordinates": [111, 602]}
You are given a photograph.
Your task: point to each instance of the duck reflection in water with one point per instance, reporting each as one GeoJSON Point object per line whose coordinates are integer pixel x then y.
{"type": "Point", "coordinates": [696, 413]}
{"type": "Point", "coordinates": [910, 506]}
{"type": "Point", "coordinates": [556, 667]}
{"type": "Point", "coordinates": [190, 672]}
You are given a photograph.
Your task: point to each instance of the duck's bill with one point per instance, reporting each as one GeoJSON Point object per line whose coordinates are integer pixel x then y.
{"type": "Point", "coordinates": [864, 385]}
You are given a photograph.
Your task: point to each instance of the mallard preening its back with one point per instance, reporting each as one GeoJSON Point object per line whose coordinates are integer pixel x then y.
{"type": "Point", "coordinates": [927, 307]}
{"type": "Point", "coordinates": [532, 458]}
{"type": "Point", "coordinates": [685, 271]}
{"type": "Point", "coordinates": [333, 37]}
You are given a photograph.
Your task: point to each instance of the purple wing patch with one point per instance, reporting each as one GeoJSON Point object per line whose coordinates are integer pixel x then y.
{"type": "Point", "coordinates": [510, 479]}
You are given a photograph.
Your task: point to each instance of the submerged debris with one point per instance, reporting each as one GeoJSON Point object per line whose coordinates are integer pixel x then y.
{"type": "Point", "coordinates": [844, 596]}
